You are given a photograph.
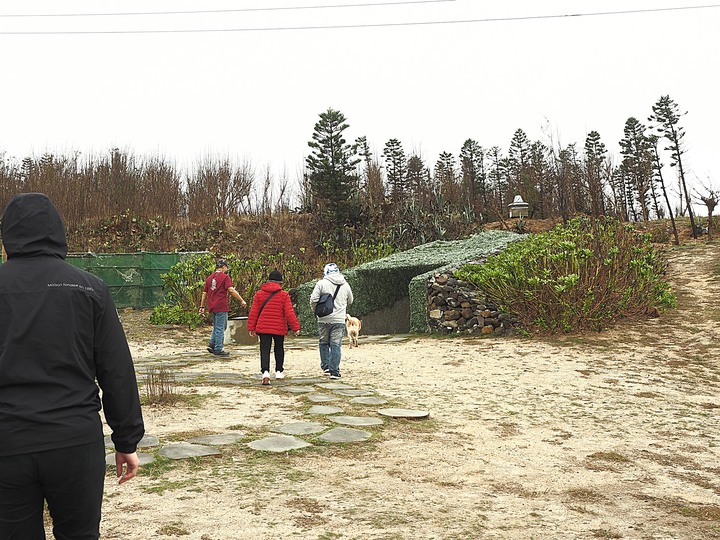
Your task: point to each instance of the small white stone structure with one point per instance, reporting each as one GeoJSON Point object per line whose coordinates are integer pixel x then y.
{"type": "Point", "coordinates": [518, 208]}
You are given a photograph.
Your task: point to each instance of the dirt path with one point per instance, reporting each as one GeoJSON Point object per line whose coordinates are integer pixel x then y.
{"type": "Point", "coordinates": [614, 435]}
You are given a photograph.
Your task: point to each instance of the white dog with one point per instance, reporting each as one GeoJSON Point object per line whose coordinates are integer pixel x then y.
{"type": "Point", "coordinates": [353, 326]}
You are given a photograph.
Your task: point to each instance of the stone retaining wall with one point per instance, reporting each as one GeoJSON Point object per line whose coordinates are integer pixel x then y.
{"type": "Point", "coordinates": [456, 306]}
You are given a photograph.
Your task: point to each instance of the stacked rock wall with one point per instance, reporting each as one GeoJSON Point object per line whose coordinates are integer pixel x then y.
{"type": "Point", "coordinates": [455, 306]}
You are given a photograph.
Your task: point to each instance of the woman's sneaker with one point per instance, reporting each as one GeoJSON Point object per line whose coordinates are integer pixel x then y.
{"type": "Point", "coordinates": [266, 378]}
{"type": "Point", "coordinates": [279, 375]}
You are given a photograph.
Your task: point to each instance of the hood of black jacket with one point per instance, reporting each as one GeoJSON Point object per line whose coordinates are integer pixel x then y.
{"type": "Point", "coordinates": [32, 226]}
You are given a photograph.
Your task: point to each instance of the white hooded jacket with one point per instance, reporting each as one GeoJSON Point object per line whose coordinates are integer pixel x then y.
{"type": "Point", "coordinates": [344, 298]}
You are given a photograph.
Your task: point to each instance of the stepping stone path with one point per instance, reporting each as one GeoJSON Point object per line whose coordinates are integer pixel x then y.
{"type": "Point", "coordinates": [278, 443]}
{"type": "Point", "coordinates": [368, 401]}
{"type": "Point", "coordinates": [321, 398]}
{"type": "Point", "coordinates": [344, 435]}
{"type": "Point", "coordinates": [335, 386]}
{"type": "Point", "coordinates": [298, 389]}
{"type": "Point", "coordinates": [288, 437]}
{"type": "Point", "coordinates": [404, 413]}
{"type": "Point", "coordinates": [182, 450]}
{"type": "Point", "coordinates": [300, 428]}
{"type": "Point", "coordinates": [354, 392]}
{"type": "Point", "coordinates": [356, 420]}
{"type": "Point", "coordinates": [324, 409]}
{"type": "Point", "coordinates": [218, 439]}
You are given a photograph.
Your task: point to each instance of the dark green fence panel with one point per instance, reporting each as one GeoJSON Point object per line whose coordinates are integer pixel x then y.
{"type": "Point", "coordinates": [134, 279]}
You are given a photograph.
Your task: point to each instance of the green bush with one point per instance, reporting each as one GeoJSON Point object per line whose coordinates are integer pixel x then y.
{"type": "Point", "coordinates": [582, 275]}
{"type": "Point", "coordinates": [183, 283]}
{"type": "Point", "coordinates": [175, 314]}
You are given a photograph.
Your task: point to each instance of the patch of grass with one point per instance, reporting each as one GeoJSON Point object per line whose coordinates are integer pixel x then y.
{"type": "Point", "coordinates": [172, 529]}
{"type": "Point", "coordinates": [704, 512]}
{"type": "Point", "coordinates": [157, 468]}
{"type": "Point", "coordinates": [609, 456]}
{"type": "Point", "coordinates": [671, 460]}
{"type": "Point", "coordinates": [585, 495]}
{"type": "Point", "coordinates": [167, 485]}
{"type": "Point", "coordinates": [606, 533]}
{"type": "Point", "coordinates": [514, 488]}
{"type": "Point", "coordinates": [508, 429]}
{"type": "Point", "coordinates": [650, 395]}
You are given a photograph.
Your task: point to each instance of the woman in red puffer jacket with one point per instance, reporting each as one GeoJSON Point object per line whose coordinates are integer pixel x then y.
{"type": "Point", "coordinates": [270, 315]}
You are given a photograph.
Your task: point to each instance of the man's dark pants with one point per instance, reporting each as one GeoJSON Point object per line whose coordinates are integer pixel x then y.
{"type": "Point", "coordinates": [70, 479]}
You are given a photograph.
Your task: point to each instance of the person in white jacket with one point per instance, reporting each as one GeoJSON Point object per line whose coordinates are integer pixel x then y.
{"type": "Point", "coordinates": [331, 328]}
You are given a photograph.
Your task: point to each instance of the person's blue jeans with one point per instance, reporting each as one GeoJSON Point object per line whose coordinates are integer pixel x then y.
{"type": "Point", "coordinates": [331, 335]}
{"type": "Point", "coordinates": [217, 337]}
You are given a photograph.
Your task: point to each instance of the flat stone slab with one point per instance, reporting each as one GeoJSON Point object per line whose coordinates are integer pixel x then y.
{"type": "Point", "coordinates": [354, 392]}
{"type": "Point", "coordinates": [321, 398]}
{"type": "Point", "coordinates": [324, 409]}
{"type": "Point", "coordinates": [278, 443]}
{"type": "Point", "coordinates": [369, 400]}
{"type": "Point", "coordinates": [218, 439]}
{"type": "Point", "coordinates": [404, 413]}
{"type": "Point", "coordinates": [344, 435]}
{"type": "Point", "coordinates": [298, 389]}
{"type": "Point", "coordinates": [145, 459]}
{"type": "Point", "coordinates": [300, 428]}
{"type": "Point", "coordinates": [145, 442]}
{"type": "Point", "coordinates": [183, 450]}
{"type": "Point", "coordinates": [335, 386]}
{"type": "Point", "coordinates": [356, 420]}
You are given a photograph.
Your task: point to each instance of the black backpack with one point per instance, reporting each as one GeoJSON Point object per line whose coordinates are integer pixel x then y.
{"type": "Point", "coordinates": [326, 303]}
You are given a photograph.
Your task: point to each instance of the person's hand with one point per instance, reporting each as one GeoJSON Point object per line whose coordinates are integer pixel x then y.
{"type": "Point", "coordinates": [244, 304]}
{"type": "Point", "coordinates": [131, 463]}
{"type": "Point", "coordinates": [201, 310]}
{"type": "Point", "coordinates": [252, 333]}
{"type": "Point", "coordinates": [296, 332]}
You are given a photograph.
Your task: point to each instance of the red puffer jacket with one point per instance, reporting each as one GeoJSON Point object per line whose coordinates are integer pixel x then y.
{"type": "Point", "coordinates": [277, 314]}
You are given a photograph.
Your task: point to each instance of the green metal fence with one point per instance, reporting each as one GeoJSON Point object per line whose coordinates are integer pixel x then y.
{"type": "Point", "coordinates": [133, 278]}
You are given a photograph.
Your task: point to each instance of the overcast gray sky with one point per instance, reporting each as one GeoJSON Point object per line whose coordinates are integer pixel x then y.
{"type": "Point", "coordinates": [429, 73]}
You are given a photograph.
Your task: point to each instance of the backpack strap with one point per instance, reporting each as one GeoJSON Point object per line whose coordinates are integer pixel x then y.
{"type": "Point", "coordinates": [266, 301]}
{"type": "Point", "coordinates": [336, 290]}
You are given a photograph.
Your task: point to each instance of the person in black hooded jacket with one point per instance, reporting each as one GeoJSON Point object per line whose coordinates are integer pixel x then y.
{"type": "Point", "coordinates": [59, 334]}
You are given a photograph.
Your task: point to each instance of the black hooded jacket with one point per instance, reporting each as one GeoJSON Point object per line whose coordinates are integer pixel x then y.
{"type": "Point", "coordinates": [59, 333]}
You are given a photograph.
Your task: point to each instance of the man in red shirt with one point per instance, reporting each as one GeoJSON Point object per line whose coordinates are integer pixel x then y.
{"type": "Point", "coordinates": [217, 287]}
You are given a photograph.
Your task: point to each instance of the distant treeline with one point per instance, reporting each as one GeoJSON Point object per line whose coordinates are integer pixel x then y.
{"type": "Point", "coordinates": [396, 198]}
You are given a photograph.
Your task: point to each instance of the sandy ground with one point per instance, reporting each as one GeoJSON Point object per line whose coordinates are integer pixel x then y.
{"type": "Point", "coordinates": [611, 435]}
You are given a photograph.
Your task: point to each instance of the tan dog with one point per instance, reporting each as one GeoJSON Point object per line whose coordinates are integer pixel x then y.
{"type": "Point", "coordinates": [353, 326]}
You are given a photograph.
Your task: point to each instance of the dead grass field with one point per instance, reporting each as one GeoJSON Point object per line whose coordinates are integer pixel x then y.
{"type": "Point", "coordinates": [611, 435]}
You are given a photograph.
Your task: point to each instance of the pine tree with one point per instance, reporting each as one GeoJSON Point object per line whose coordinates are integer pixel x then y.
{"type": "Point", "coordinates": [331, 167]}
{"type": "Point", "coordinates": [637, 165]}
{"type": "Point", "coordinates": [595, 155]}
{"type": "Point", "coordinates": [396, 169]}
{"type": "Point", "coordinates": [666, 117]}
{"type": "Point", "coordinates": [472, 167]}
